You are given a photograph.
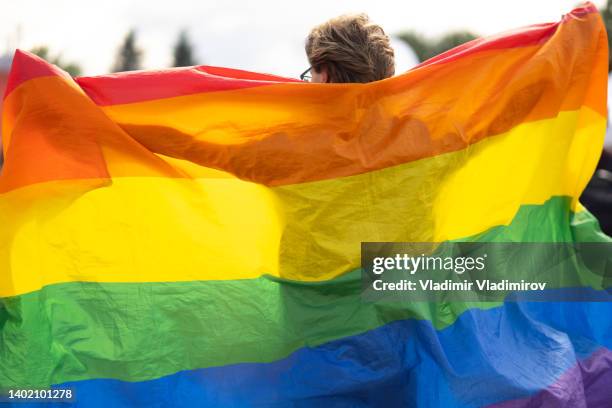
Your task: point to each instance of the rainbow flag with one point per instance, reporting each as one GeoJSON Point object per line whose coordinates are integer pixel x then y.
{"type": "Point", "coordinates": [192, 236]}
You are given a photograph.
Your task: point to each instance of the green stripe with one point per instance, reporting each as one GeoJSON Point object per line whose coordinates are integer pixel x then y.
{"type": "Point", "coordinates": [139, 331]}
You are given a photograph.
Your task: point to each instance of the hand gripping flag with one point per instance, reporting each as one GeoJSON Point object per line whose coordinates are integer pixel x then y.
{"type": "Point", "coordinates": [192, 236]}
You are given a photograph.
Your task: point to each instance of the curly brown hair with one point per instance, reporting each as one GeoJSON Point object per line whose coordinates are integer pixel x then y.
{"type": "Point", "coordinates": [352, 49]}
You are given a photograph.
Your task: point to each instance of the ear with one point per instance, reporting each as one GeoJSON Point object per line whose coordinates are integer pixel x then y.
{"type": "Point", "coordinates": [324, 77]}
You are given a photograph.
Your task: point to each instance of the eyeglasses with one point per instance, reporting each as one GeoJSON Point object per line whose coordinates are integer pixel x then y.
{"type": "Point", "coordinates": [305, 76]}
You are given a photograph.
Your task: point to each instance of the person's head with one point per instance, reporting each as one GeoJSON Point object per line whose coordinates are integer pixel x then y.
{"type": "Point", "coordinates": [349, 48]}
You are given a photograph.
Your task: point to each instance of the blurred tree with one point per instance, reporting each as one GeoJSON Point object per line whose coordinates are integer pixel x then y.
{"type": "Point", "coordinates": [425, 48]}
{"type": "Point", "coordinates": [129, 56]}
{"type": "Point", "coordinates": [606, 14]}
{"type": "Point", "coordinates": [43, 52]}
{"type": "Point", "coordinates": [183, 52]}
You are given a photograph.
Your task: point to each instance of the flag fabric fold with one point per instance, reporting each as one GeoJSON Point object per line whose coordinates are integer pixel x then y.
{"type": "Point", "coordinates": [192, 235]}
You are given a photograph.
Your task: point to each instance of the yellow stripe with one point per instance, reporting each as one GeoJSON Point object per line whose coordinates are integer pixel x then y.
{"type": "Point", "coordinates": [528, 165]}
{"type": "Point", "coordinates": [149, 229]}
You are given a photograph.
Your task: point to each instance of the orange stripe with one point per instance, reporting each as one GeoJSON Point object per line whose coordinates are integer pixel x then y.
{"type": "Point", "coordinates": [292, 133]}
{"type": "Point", "coordinates": [287, 134]}
{"type": "Point", "coordinates": [57, 133]}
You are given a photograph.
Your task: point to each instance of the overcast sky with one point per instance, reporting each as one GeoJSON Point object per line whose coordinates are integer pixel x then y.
{"type": "Point", "coordinates": [265, 35]}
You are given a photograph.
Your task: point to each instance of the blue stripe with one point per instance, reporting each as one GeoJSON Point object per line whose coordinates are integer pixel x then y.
{"type": "Point", "coordinates": [486, 356]}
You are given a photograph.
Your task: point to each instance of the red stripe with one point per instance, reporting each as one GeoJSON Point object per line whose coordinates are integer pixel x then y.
{"type": "Point", "coordinates": [142, 86]}
{"type": "Point", "coordinates": [28, 66]}
{"type": "Point", "coordinates": [530, 35]}
{"type": "Point", "coordinates": [129, 87]}
{"type": "Point", "coordinates": [525, 36]}
{"type": "Point", "coordinates": [136, 86]}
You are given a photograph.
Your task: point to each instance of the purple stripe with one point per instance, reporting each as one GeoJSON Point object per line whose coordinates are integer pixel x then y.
{"type": "Point", "coordinates": [586, 385]}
